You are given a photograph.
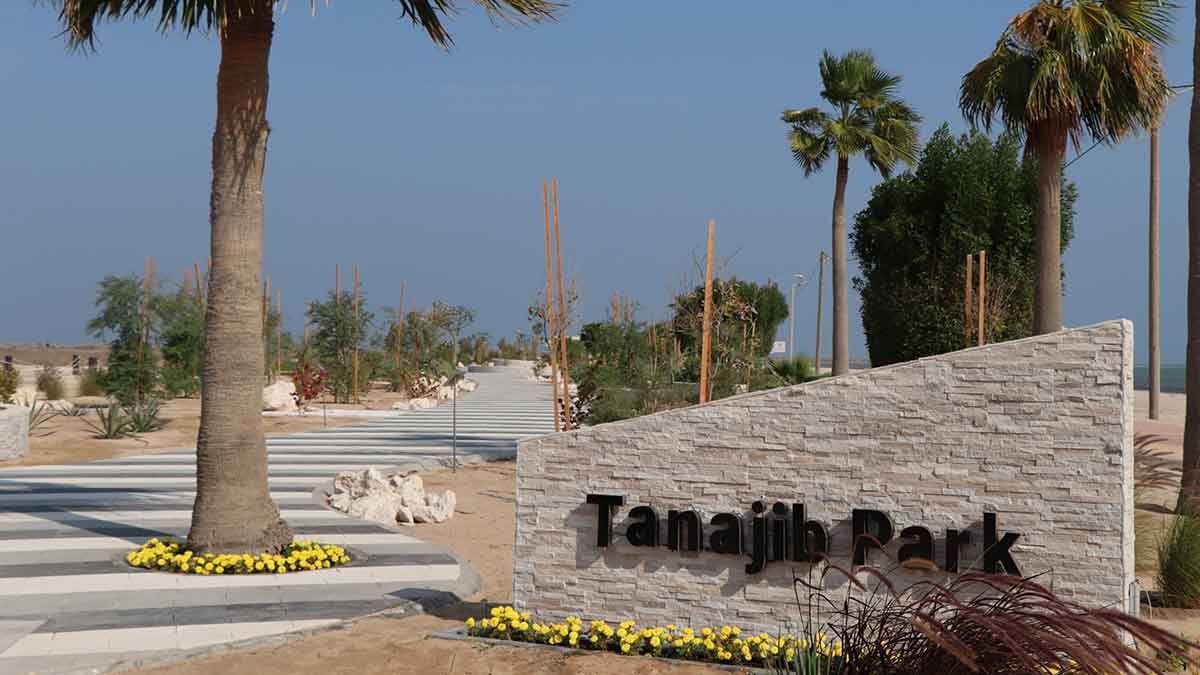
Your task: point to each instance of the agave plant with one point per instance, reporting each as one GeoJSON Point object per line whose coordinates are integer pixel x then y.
{"type": "Point", "coordinates": [111, 422]}
{"type": "Point", "coordinates": [144, 417]}
{"type": "Point", "coordinates": [39, 414]}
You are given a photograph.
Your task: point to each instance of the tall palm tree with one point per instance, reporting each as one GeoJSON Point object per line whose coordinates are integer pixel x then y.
{"type": "Point", "coordinates": [233, 511]}
{"type": "Point", "coordinates": [1191, 422]}
{"type": "Point", "coordinates": [1061, 69]}
{"type": "Point", "coordinates": [868, 119]}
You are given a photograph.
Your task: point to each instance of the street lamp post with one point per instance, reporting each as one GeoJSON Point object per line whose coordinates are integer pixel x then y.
{"type": "Point", "coordinates": [798, 280]}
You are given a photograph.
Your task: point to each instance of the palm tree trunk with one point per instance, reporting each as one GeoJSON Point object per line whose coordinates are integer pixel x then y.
{"type": "Point", "coordinates": [1047, 299]}
{"type": "Point", "coordinates": [233, 512]}
{"type": "Point", "coordinates": [841, 319]}
{"type": "Point", "coordinates": [1191, 424]}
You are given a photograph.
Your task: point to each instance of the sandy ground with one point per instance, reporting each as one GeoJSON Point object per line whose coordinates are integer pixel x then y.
{"type": "Point", "coordinates": [68, 440]}
{"type": "Point", "coordinates": [481, 532]}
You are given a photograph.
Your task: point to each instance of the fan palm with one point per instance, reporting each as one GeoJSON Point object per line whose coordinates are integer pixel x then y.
{"type": "Point", "coordinates": [233, 511]}
{"type": "Point", "coordinates": [868, 119]}
{"type": "Point", "coordinates": [1060, 70]}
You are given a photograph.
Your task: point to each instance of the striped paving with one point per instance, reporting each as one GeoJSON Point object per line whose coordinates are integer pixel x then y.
{"type": "Point", "coordinates": [69, 603]}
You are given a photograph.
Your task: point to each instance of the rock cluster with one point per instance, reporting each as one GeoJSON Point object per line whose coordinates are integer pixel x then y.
{"type": "Point", "coordinates": [280, 396]}
{"type": "Point", "coordinates": [439, 392]}
{"type": "Point", "coordinates": [389, 499]}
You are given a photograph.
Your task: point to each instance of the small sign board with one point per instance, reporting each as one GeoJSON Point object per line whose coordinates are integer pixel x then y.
{"type": "Point", "coordinates": [779, 347]}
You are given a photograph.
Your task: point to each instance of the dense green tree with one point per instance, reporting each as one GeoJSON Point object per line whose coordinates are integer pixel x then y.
{"type": "Point", "coordinates": [966, 194]}
{"type": "Point", "coordinates": [125, 318]}
{"type": "Point", "coordinates": [335, 336]}
{"type": "Point", "coordinates": [181, 341]}
{"type": "Point", "coordinates": [868, 119]}
{"type": "Point", "coordinates": [233, 511]}
{"type": "Point", "coordinates": [1060, 70]}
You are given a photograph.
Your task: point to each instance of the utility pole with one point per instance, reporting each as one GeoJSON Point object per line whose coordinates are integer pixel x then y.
{"type": "Point", "coordinates": [1154, 382]}
{"type": "Point", "coordinates": [820, 306]}
{"type": "Point", "coordinates": [706, 342]}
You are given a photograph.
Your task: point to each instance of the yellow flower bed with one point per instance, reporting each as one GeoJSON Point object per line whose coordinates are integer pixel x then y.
{"type": "Point", "coordinates": [726, 644]}
{"type": "Point", "coordinates": [167, 555]}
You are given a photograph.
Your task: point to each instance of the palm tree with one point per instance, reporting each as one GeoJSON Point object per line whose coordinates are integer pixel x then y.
{"type": "Point", "coordinates": [868, 119]}
{"type": "Point", "coordinates": [1060, 69]}
{"type": "Point", "coordinates": [1191, 422]}
{"type": "Point", "coordinates": [233, 511]}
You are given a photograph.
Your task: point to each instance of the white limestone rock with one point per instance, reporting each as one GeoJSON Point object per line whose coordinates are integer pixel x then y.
{"type": "Point", "coordinates": [14, 431]}
{"type": "Point", "coordinates": [279, 397]}
{"type": "Point", "coordinates": [379, 507]}
{"type": "Point", "coordinates": [390, 499]}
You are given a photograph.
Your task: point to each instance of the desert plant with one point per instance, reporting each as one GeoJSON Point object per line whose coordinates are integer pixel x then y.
{"type": "Point", "coordinates": [91, 383]}
{"type": "Point", "coordinates": [40, 413]}
{"type": "Point", "coordinates": [10, 379]}
{"type": "Point", "coordinates": [796, 370]}
{"type": "Point", "coordinates": [50, 383]}
{"type": "Point", "coordinates": [110, 422]}
{"type": "Point", "coordinates": [973, 623]}
{"type": "Point", "coordinates": [144, 416]}
{"type": "Point", "coordinates": [74, 411]}
{"type": "Point", "coordinates": [1178, 576]}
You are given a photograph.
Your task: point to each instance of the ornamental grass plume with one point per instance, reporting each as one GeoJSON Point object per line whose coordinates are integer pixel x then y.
{"type": "Point", "coordinates": [980, 623]}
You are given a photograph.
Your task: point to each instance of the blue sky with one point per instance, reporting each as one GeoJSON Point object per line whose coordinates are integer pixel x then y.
{"type": "Point", "coordinates": [415, 164]}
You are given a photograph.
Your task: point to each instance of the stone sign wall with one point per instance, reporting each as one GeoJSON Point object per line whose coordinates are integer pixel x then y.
{"type": "Point", "coordinates": [1024, 446]}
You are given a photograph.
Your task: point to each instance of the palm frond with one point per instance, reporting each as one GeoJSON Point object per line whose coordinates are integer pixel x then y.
{"type": "Point", "coordinates": [868, 118]}
{"type": "Point", "coordinates": [80, 18]}
{"type": "Point", "coordinates": [1068, 67]}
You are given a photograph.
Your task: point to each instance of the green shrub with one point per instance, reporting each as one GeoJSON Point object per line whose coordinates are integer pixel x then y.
{"type": "Point", "coordinates": [10, 379]}
{"type": "Point", "coordinates": [144, 417]}
{"type": "Point", "coordinates": [1179, 561]}
{"type": "Point", "coordinates": [50, 383]}
{"type": "Point", "coordinates": [796, 370]}
{"type": "Point", "coordinates": [91, 383]}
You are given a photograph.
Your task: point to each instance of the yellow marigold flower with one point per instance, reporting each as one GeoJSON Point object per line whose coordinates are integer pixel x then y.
{"type": "Point", "coordinates": [625, 647]}
{"type": "Point", "coordinates": [655, 642]}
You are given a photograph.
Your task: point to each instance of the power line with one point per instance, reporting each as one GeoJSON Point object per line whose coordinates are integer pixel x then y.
{"type": "Point", "coordinates": [1176, 87]}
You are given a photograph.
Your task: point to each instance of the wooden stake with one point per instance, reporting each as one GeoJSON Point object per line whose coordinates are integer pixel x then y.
{"type": "Point", "coordinates": [982, 293]}
{"type": "Point", "coordinates": [562, 317]}
{"type": "Point", "coordinates": [820, 307]}
{"type": "Point", "coordinates": [550, 299]}
{"type": "Point", "coordinates": [279, 335]}
{"type": "Point", "coordinates": [967, 302]}
{"type": "Point", "coordinates": [400, 323]}
{"type": "Point", "coordinates": [337, 285]}
{"type": "Point", "coordinates": [355, 333]}
{"type": "Point", "coordinates": [706, 344]}
{"type": "Point", "coordinates": [199, 281]}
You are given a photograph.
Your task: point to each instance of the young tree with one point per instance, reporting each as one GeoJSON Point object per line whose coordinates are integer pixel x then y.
{"type": "Point", "coordinates": [868, 119]}
{"type": "Point", "coordinates": [451, 320]}
{"type": "Point", "coordinates": [233, 511]}
{"type": "Point", "coordinates": [336, 334]}
{"type": "Point", "coordinates": [124, 316]}
{"type": "Point", "coordinates": [181, 340]}
{"type": "Point", "coordinates": [1062, 69]}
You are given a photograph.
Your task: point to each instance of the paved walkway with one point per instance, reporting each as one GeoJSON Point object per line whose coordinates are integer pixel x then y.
{"type": "Point", "coordinates": [68, 601]}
